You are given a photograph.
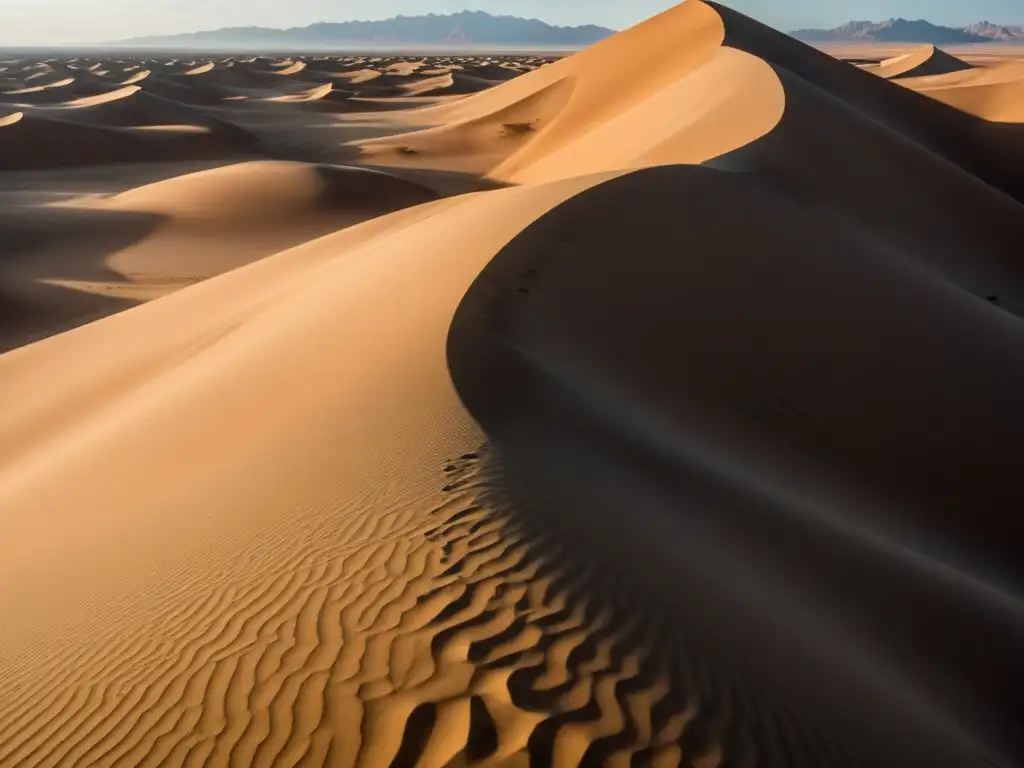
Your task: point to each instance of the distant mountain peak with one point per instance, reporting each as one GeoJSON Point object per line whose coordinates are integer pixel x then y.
{"type": "Point", "coordinates": [912, 31]}
{"type": "Point", "coordinates": [467, 28]}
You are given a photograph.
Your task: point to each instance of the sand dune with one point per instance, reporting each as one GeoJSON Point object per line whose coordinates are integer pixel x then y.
{"type": "Point", "coordinates": [363, 76]}
{"type": "Point", "coordinates": [927, 60]}
{"type": "Point", "coordinates": [38, 88]}
{"type": "Point", "coordinates": [563, 120]}
{"type": "Point", "coordinates": [404, 68]}
{"type": "Point", "coordinates": [101, 98]}
{"type": "Point", "coordinates": [200, 70]}
{"type": "Point", "coordinates": [182, 91]}
{"type": "Point", "coordinates": [292, 68]}
{"type": "Point", "coordinates": [313, 94]}
{"type": "Point", "coordinates": [38, 141]}
{"type": "Point", "coordinates": [138, 77]}
{"type": "Point", "coordinates": [1001, 103]}
{"type": "Point", "coordinates": [151, 240]}
{"type": "Point", "coordinates": [994, 93]}
{"type": "Point", "coordinates": [981, 148]}
{"type": "Point", "coordinates": [263, 193]}
{"type": "Point", "coordinates": [988, 75]}
{"type": "Point", "coordinates": [693, 444]}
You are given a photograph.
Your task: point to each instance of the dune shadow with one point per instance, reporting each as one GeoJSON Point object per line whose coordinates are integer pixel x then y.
{"type": "Point", "coordinates": [45, 244]}
{"type": "Point", "coordinates": [742, 434]}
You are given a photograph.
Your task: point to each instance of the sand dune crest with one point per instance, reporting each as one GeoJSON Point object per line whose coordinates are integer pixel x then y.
{"type": "Point", "coordinates": [924, 61]}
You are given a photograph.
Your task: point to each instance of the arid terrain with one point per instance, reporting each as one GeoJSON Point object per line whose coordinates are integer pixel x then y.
{"type": "Point", "coordinates": [658, 404]}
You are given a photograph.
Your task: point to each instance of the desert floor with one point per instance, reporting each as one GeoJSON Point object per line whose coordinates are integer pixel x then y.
{"type": "Point", "coordinates": [658, 405]}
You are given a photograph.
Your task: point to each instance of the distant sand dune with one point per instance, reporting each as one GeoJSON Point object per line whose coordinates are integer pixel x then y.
{"type": "Point", "coordinates": [101, 98]}
{"type": "Point", "coordinates": [138, 77]}
{"type": "Point", "coordinates": [200, 70]}
{"type": "Point", "coordinates": [68, 91]}
{"type": "Point", "coordinates": [993, 93]}
{"type": "Point", "coordinates": [927, 60]}
{"type": "Point", "coordinates": [161, 237]}
{"type": "Point", "coordinates": [999, 102]}
{"type": "Point", "coordinates": [290, 69]}
{"type": "Point", "coordinates": [37, 142]}
{"type": "Point", "coordinates": [38, 88]}
{"type": "Point", "coordinates": [185, 92]}
{"type": "Point", "coordinates": [313, 94]}
{"type": "Point", "coordinates": [264, 192]}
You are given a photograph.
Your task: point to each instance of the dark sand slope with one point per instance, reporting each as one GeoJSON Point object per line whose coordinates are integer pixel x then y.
{"type": "Point", "coordinates": [753, 413]}
{"type": "Point", "coordinates": [43, 141]}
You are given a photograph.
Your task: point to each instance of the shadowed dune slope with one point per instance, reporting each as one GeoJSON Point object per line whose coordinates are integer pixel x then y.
{"type": "Point", "coordinates": [48, 140]}
{"type": "Point", "coordinates": [159, 238]}
{"type": "Point", "coordinates": [761, 389]}
{"type": "Point", "coordinates": [132, 106]}
{"type": "Point", "coordinates": [182, 90]}
{"type": "Point", "coordinates": [987, 150]}
{"type": "Point", "coordinates": [64, 91]}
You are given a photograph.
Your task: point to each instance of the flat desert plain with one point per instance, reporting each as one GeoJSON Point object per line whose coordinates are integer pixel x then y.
{"type": "Point", "coordinates": [660, 404]}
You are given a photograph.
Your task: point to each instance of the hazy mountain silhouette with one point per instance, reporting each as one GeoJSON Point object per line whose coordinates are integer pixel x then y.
{"type": "Point", "coordinates": [465, 29]}
{"type": "Point", "coordinates": [907, 31]}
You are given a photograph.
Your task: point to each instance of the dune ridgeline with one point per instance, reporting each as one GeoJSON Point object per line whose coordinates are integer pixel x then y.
{"type": "Point", "coordinates": [655, 405]}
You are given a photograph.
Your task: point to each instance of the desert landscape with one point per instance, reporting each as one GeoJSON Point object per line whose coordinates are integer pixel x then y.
{"type": "Point", "coordinates": [657, 404]}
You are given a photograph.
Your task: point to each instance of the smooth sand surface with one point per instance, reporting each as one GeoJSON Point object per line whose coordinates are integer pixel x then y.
{"type": "Point", "coordinates": [988, 86]}
{"type": "Point", "coordinates": [657, 405]}
{"type": "Point", "coordinates": [994, 93]}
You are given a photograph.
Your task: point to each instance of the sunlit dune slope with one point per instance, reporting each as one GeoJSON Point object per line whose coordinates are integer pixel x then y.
{"type": "Point", "coordinates": [923, 61]}
{"type": "Point", "coordinates": [716, 87]}
{"type": "Point", "coordinates": [615, 105]}
{"type": "Point", "coordinates": [994, 93]}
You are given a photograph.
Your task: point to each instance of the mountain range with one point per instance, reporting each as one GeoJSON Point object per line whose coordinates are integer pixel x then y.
{"type": "Point", "coordinates": [917, 31]}
{"type": "Point", "coordinates": [468, 29]}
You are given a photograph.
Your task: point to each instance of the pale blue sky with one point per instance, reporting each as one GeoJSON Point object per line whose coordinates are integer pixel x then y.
{"type": "Point", "coordinates": [32, 22]}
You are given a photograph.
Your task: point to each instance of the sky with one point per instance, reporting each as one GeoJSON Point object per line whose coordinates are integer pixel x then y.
{"type": "Point", "coordinates": [49, 22]}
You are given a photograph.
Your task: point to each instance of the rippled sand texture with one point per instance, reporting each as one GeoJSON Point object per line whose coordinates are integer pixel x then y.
{"type": "Point", "coordinates": [656, 405]}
